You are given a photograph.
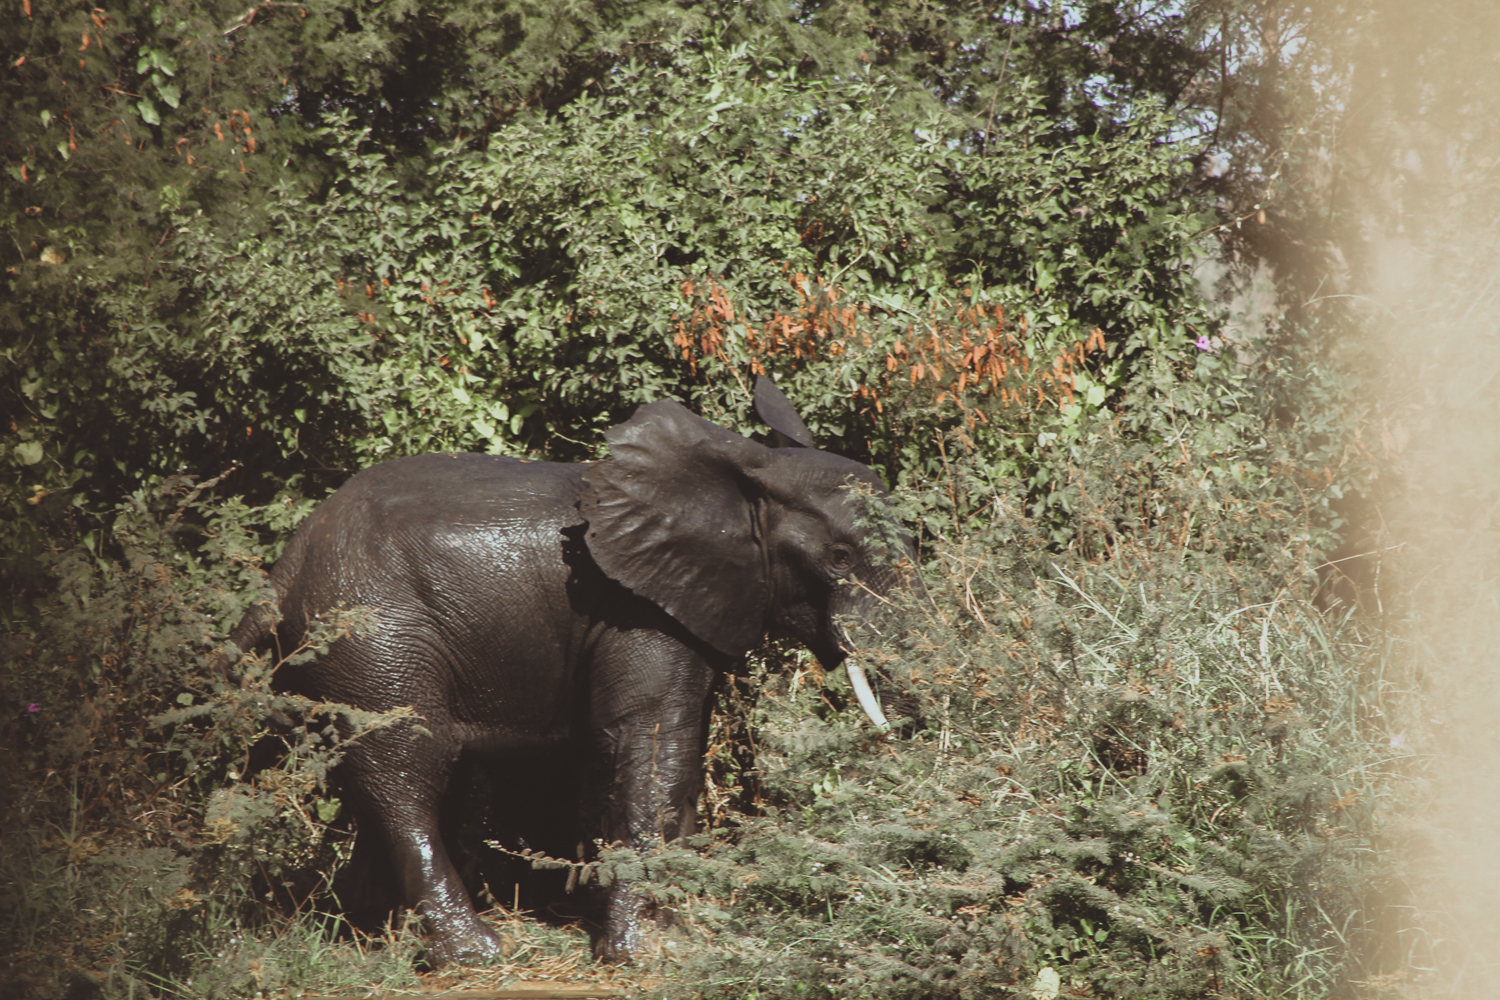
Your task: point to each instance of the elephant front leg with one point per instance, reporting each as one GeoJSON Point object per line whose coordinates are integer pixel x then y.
{"type": "Point", "coordinates": [653, 798]}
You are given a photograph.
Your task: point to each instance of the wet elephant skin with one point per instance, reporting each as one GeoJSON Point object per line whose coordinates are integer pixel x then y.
{"type": "Point", "coordinates": [524, 608]}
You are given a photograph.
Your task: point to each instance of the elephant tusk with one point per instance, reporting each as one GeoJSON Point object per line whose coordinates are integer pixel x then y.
{"type": "Point", "coordinates": [865, 695]}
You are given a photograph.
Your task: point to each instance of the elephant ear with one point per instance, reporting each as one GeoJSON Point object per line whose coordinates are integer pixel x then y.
{"type": "Point", "coordinates": [671, 515]}
{"type": "Point", "coordinates": [777, 413]}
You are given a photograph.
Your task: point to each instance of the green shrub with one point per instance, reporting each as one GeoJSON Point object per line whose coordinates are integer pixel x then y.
{"type": "Point", "coordinates": [1139, 772]}
{"type": "Point", "coordinates": [140, 848]}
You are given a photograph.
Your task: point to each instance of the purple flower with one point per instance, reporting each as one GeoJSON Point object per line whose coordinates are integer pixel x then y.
{"type": "Point", "coordinates": [1202, 344]}
{"type": "Point", "coordinates": [33, 707]}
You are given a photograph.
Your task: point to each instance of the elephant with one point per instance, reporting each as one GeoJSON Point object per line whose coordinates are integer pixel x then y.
{"type": "Point", "coordinates": [524, 607]}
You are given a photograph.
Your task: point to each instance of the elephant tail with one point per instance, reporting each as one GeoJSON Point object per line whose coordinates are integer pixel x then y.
{"type": "Point", "coordinates": [253, 634]}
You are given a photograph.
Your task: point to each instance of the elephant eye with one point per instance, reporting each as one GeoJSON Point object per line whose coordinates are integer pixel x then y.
{"type": "Point", "coordinates": [840, 558]}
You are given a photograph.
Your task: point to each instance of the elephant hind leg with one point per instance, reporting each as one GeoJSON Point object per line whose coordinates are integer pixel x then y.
{"type": "Point", "coordinates": [396, 780]}
{"type": "Point", "coordinates": [365, 886]}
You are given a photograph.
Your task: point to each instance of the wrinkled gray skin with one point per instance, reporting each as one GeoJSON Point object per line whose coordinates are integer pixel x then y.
{"type": "Point", "coordinates": [530, 605]}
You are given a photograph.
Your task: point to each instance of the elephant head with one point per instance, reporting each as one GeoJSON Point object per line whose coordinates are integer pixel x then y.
{"type": "Point", "coordinates": [737, 540]}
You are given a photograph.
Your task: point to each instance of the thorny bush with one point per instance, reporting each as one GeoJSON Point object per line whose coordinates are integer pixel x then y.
{"type": "Point", "coordinates": [1150, 773]}
{"type": "Point", "coordinates": [179, 818]}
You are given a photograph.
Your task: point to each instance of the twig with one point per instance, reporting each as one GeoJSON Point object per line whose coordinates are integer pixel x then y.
{"type": "Point", "coordinates": [1357, 555]}
{"type": "Point", "coordinates": [1322, 298]}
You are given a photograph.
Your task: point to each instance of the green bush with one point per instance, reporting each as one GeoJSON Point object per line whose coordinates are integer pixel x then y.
{"type": "Point", "coordinates": [1139, 772]}
{"type": "Point", "coordinates": [523, 295]}
{"type": "Point", "coordinates": [141, 848]}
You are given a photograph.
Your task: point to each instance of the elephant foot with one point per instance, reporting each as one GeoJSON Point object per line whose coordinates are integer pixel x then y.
{"type": "Point", "coordinates": [621, 945]}
{"type": "Point", "coordinates": [618, 949]}
{"type": "Point", "coordinates": [475, 944]}
{"type": "Point", "coordinates": [628, 927]}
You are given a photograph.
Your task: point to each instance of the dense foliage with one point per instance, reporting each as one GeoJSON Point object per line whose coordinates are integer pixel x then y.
{"type": "Point", "coordinates": [1077, 278]}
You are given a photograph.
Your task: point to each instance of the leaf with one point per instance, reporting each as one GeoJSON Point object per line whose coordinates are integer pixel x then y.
{"type": "Point", "coordinates": [147, 112]}
{"type": "Point", "coordinates": [29, 452]}
{"type": "Point", "coordinates": [169, 93]}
